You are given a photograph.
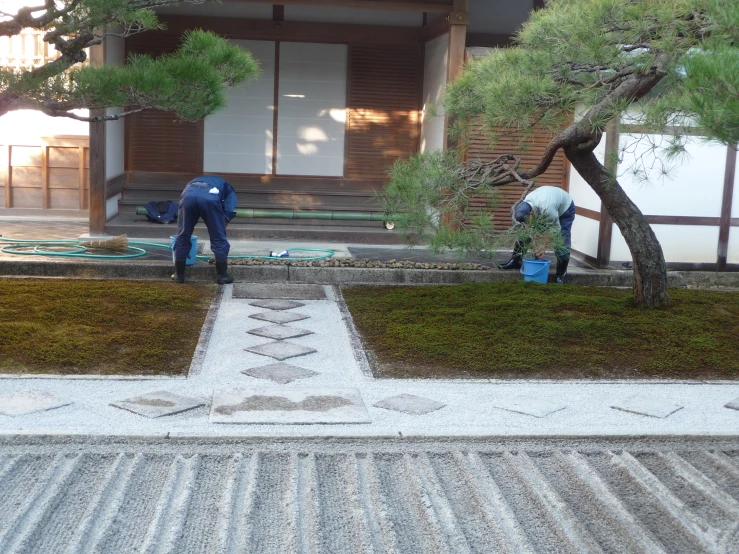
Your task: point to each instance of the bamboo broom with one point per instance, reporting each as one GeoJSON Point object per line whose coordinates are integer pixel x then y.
{"type": "Point", "coordinates": [117, 244]}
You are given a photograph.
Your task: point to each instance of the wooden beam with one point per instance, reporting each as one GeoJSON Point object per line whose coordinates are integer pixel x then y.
{"type": "Point", "coordinates": [726, 202]}
{"type": "Point", "coordinates": [539, 4]}
{"type": "Point", "coordinates": [278, 12]}
{"type": "Point", "coordinates": [458, 21]}
{"type": "Point", "coordinates": [585, 212]}
{"type": "Point", "coordinates": [433, 6]}
{"type": "Point", "coordinates": [603, 255]}
{"type": "Point", "coordinates": [98, 196]}
{"type": "Point", "coordinates": [295, 31]}
{"type": "Point", "coordinates": [81, 177]}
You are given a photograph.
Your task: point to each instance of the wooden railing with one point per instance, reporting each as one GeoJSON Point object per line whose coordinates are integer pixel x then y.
{"type": "Point", "coordinates": [51, 173]}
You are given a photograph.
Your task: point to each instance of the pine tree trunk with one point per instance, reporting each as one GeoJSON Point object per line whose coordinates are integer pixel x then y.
{"type": "Point", "coordinates": [650, 271]}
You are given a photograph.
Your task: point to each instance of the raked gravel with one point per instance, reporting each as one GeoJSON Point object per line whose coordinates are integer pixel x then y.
{"type": "Point", "coordinates": [470, 405]}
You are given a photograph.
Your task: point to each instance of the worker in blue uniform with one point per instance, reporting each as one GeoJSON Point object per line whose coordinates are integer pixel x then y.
{"type": "Point", "coordinates": [556, 207]}
{"type": "Point", "coordinates": [213, 199]}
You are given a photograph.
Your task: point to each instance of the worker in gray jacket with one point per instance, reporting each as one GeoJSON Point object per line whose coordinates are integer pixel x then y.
{"type": "Point", "coordinates": [552, 204]}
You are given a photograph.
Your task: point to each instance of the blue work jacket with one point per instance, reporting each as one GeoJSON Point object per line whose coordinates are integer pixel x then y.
{"type": "Point", "coordinates": [226, 193]}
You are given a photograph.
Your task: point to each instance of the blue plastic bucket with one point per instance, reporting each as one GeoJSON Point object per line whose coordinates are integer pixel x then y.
{"type": "Point", "coordinates": [535, 270]}
{"type": "Point", "coordinates": [193, 255]}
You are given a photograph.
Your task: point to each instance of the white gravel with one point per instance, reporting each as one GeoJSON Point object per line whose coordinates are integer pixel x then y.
{"type": "Point", "coordinates": [470, 407]}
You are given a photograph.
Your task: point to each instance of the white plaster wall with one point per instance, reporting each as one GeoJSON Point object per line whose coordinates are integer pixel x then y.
{"type": "Point", "coordinates": [581, 192]}
{"type": "Point", "coordinates": [356, 16]}
{"type": "Point", "coordinates": [111, 206]}
{"type": "Point", "coordinates": [680, 243]}
{"type": "Point", "coordinates": [114, 130]}
{"type": "Point", "coordinates": [498, 16]}
{"type": "Point", "coordinates": [220, 9]}
{"type": "Point", "coordinates": [585, 235]}
{"type": "Point", "coordinates": [238, 138]}
{"type": "Point", "coordinates": [735, 200]}
{"type": "Point", "coordinates": [434, 86]}
{"type": "Point", "coordinates": [312, 109]}
{"type": "Point", "coordinates": [694, 187]}
{"type": "Point", "coordinates": [732, 256]}
{"type": "Point", "coordinates": [26, 126]}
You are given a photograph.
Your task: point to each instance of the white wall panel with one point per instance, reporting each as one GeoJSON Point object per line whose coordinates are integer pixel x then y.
{"type": "Point", "coordinates": [312, 109]}
{"type": "Point", "coordinates": [733, 252]}
{"type": "Point", "coordinates": [735, 199]}
{"type": "Point", "coordinates": [354, 16]}
{"type": "Point", "coordinates": [238, 139]}
{"type": "Point", "coordinates": [28, 125]}
{"type": "Point", "coordinates": [585, 235]}
{"type": "Point", "coordinates": [680, 243]}
{"type": "Point", "coordinates": [694, 188]}
{"type": "Point", "coordinates": [115, 54]}
{"type": "Point", "coordinates": [581, 192]}
{"type": "Point", "coordinates": [498, 16]}
{"type": "Point", "coordinates": [434, 86]}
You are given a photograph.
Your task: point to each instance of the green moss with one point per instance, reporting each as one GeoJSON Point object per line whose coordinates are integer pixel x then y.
{"type": "Point", "coordinates": [99, 327]}
{"type": "Point", "coordinates": [515, 330]}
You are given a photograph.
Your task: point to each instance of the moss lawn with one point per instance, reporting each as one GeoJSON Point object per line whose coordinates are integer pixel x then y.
{"type": "Point", "coordinates": [527, 330]}
{"type": "Point", "coordinates": [100, 327]}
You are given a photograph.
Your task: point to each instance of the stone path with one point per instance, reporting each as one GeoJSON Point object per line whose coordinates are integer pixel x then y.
{"type": "Point", "coordinates": [285, 355]}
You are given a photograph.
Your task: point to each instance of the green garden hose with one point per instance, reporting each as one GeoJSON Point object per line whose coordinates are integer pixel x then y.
{"type": "Point", "coordinates": [74, 249]}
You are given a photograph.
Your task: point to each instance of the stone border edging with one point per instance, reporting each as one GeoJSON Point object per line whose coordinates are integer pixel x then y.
{"type": "Point", "coordinates": [341, 275]}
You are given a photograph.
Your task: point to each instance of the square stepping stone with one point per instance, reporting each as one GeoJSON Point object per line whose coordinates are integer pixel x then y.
{"type": "Point", "coordinates": [281, 373]}
{"type": "Point", "coordinates": [528, 405]}
{"type": "Point", "coordinates": [158, 404]}
{"type": "Point", "coordinates": [410, 404]}
{"type": "Point", "coordinates": [30, 401]}
{"type": "Point", "coordinates": [279, 317]}
{"type": "Point", "coordinates": [733, 405]}
{"type": "Point", "coordinates": [288, 406]}
{"type": "Point", "coordinates": [648, 406]}
{"type": "Point", "coordinates": [274, 290]}
{"type": "Point", "coordinates": [280, 332]}
{"type": "Point", "coordinates": [281, 350]}
{"type": "Point", "coordinates": [277, 304]}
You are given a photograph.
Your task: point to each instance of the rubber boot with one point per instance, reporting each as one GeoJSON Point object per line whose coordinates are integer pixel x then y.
{"type": "Point", "coordinates": [516, 258]}
{"type": "Point", "coordinates": [179, 271]}
{"type": "Point", "coordinates": [562, 269]}
{"type": "Point", "coordinates": [223, 277]}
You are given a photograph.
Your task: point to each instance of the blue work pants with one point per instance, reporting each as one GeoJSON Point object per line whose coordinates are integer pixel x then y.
{"type": "Point", "coordinates": [565, 223]}
{"type": "Point", "coordinates": [197, 202]}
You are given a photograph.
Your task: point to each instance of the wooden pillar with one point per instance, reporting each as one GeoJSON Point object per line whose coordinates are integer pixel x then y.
{"type": "Point", "coordinates": [98, 197]}
{"type": "Point", "coordinates": [458, 20]}
{"type": "Point", "coordinates": [726, 201]}
{"type": "Point", "coordinates": [603, 256]}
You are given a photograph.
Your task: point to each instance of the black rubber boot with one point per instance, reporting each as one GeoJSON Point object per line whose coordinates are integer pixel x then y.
{"type": "Point", "coordinates": [179, 271]}
{"type": "Point", "coordinates": [562, 269]}
{"type": "Point", "coordinates": [516, 258]}
{"type": "Point", "coordinates": [223, 277]}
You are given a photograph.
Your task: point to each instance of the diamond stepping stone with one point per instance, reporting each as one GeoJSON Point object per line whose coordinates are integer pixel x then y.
{"type": "Point", "coordinates": [280, 332]}
{"type": "Point", "coordinates": [281, 350]}
{"type": "Point", "coordinates": [158, 404]}
{"type": "Point", "coordinates": [277, 304]}
{"type": "Point", "coordinates": [30, 401]}
{"type": "Point", "coordinates": [410, 404]}
{"type": "Point", "coordinates": [529, 405]}
{"type": "Point", "coordinates": [733, 405]}
{"type": "Point", "coordinates": [279, 317]}
{"type": "Point", "coordinates": [647, 406]}
{"type": "Point", "coordinates": [281, 373]}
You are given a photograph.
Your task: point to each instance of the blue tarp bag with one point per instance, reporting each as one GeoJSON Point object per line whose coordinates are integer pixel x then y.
{"type": "Point", "coordinates": [163, 211]}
